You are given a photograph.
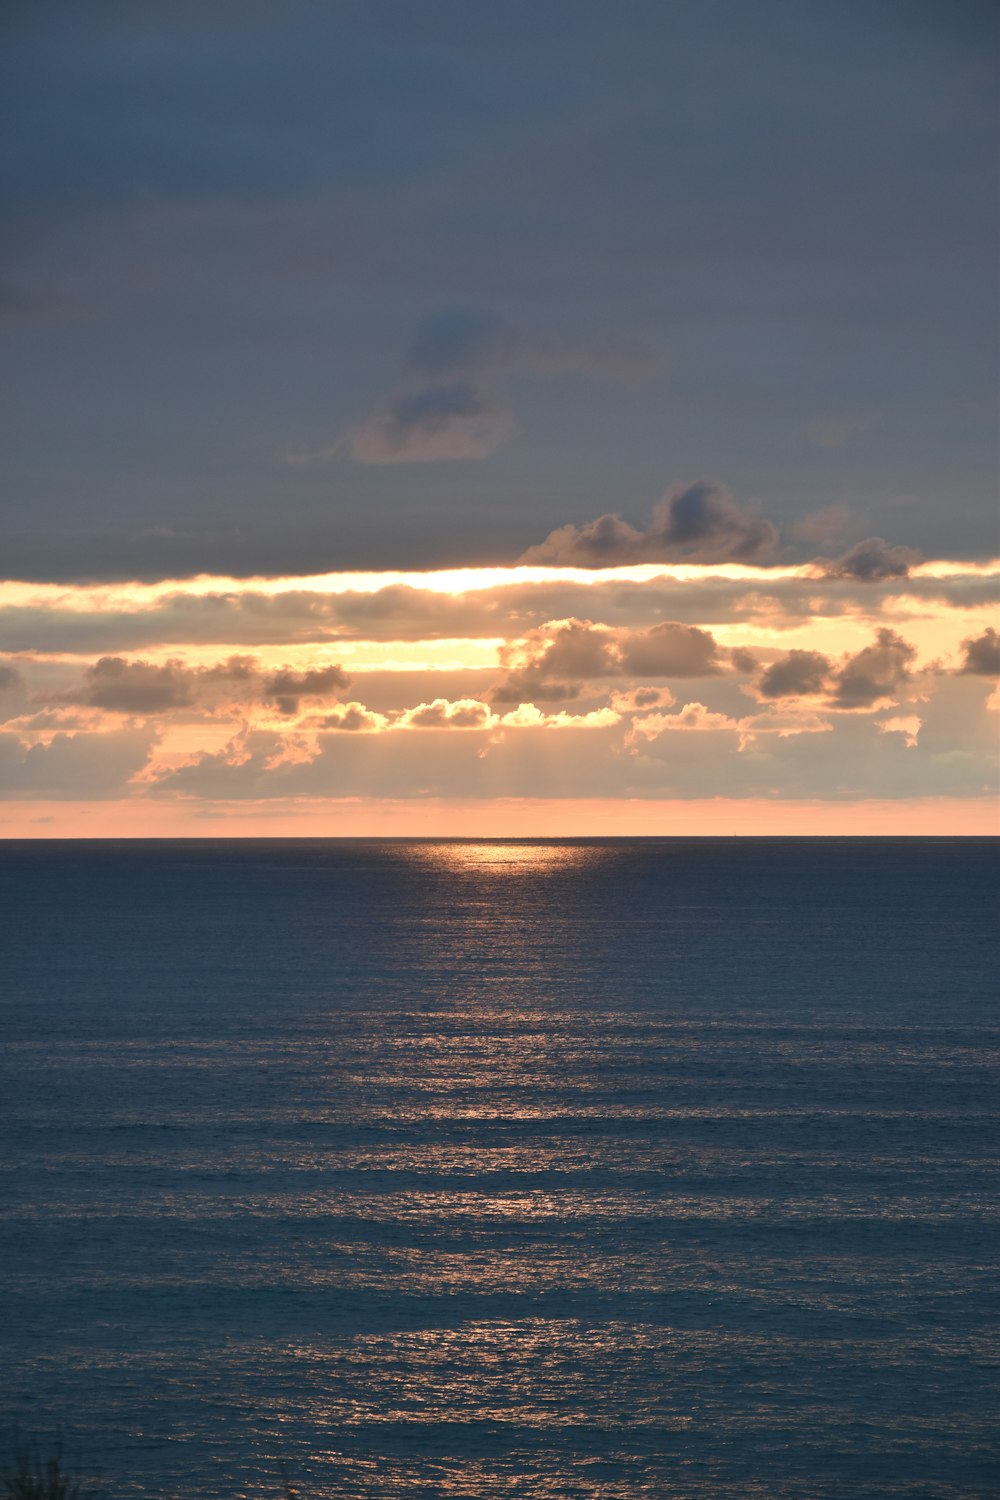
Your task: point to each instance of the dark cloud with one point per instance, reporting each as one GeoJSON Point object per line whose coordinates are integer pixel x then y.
{"type": "Point", "coordinates": [873, 674]}
{"type": "Point", "coordinates": [11, 679]}
{"type": "Point", "coordinates": [439, 424]}
{"type": "Point", "coordinates": [140, 687]}
{"type": "Point", "coordinates": [865, 679]}
{"type": "Point", "coordinates": [702, 519]}
{"type": "Point", "coordinates": [870, 561]}
{"type": "Point", "coordinates": [643, 698]}
{"type": "Point", "coordinates": [454, 401]}
{"type": "Point", "coordinates": [287, 689]}
{"type": "Point", "coordinates": [742, 659]}
{"type": "Point", "coordinates": [699, 522]}
{"type": "Point", "coordinates": [137, 687]}
{"type": "Point", "coordinates": [526, 685]}
{"type": "Point", "coordinates": [982, 654]}
{"type": "Point", "coordinates": [794, 675]}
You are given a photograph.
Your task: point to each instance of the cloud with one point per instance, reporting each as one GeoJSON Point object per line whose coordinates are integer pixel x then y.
{"type": "Point", "coordinates": [527, 716]}
{"type": "Point", "coordinates": [550, 665]}
{"type": "Point", "coordinates": [669, 650]}
{"type": "Point", "coordinates": [93, 620]}
{"type": "Point", "coordinates": [870, 561]}
{"type": "Point", "coordinates": [908, 725]}
{"type": "Point", "coordinates": [461, 746]}
{"type": "Point", "coordinates": [466, 713]}
{"type": "Point", "coordinates": [861, 680]}
{"type": "Point", "coordinates": [136, 686]}
{"type": "Point", "coordinates": [354, 718]}
{"type": "Point", "coordinates": [873, 674]}
{"type": "Point", "coordinates": [409, 760]}
{"type": "Point", "coordinates": [73, 765]}
{"type": "Point", "coordinates": [453, 402]}
{"type": "Point", "coordinates": [982, 654]}
{"type": "Point", "coordinates": [693, 717]}
{"type": "Point", "coordinates": [141, 687]}
{"type": "Point", "coordinates": [696, 718]}
{"type": "Point", "coordinates": [442, 424]}
{"type": "Point", "coordinates": [742, 660]}
{"type": "Point", "coordinates": [783, 723]}
{"type": "Point", "coordinates": [700, 522]}
{"type": "Point", "coordinates": [287, 688]}
{"type": "Point", "coordinates": [641, 700]}
{"type": "Point", "coordinates": [797, 674]}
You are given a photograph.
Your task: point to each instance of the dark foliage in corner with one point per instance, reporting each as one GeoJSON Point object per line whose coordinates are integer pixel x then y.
{"type": "Point", "coordinates": [32, 1476]}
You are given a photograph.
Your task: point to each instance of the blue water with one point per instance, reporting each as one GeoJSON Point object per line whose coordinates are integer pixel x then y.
{"type": "Point", "coordinates": [587, 1169]}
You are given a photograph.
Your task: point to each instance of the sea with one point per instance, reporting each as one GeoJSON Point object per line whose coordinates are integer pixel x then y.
{"type": "Point", "coordinates": [589, 1169]}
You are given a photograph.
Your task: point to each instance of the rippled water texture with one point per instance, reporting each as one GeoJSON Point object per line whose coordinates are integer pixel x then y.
{"type": "Point", "coordinates": [596, 1169]}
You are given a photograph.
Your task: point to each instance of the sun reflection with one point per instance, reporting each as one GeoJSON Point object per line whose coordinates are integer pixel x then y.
{"type": "Point", "coordinates": [504, 856]}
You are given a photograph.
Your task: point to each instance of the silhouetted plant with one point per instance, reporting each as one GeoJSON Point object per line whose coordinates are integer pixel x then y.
{"type": "Point", "coordinates": [30, 1476]}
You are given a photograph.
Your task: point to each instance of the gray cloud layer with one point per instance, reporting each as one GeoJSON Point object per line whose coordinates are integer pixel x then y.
{"type": "Point", "coordinates": [226, 220]}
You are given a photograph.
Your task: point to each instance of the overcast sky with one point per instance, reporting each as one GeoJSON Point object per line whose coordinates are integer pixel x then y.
{"type": "Point", "coordinates": [388, 284]}
{"type": "Point", "coordinates": [296, 289]}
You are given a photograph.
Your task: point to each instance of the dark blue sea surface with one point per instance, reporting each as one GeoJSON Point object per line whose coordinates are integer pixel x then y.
{"type": "Point", "coordinates": [586, 1170]}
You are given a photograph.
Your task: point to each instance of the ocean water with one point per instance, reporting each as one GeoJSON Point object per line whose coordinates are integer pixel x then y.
{"type": "Point", "coordinates": [593, 1169]}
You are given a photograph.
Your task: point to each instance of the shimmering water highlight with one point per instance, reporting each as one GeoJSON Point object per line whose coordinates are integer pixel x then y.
{"type": "Point", "coordinates": [589, 1169]}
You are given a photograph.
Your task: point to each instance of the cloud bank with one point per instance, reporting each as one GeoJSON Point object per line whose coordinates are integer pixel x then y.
{"type": "Point", "coordinates": [532, 682]}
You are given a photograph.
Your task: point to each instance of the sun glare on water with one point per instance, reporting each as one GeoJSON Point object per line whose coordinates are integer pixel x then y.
{"type": "Point", "coordinates": [501, 858]}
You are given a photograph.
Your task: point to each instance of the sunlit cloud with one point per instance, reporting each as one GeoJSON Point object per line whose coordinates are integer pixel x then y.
{"type": "Point", "coordinates": [908, 725]}
{"type": "Point", "coordinates": [867, 678]}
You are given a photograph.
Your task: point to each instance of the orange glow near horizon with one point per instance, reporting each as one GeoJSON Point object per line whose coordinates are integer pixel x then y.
{"type": "Point", "coordinates": [501, 818]}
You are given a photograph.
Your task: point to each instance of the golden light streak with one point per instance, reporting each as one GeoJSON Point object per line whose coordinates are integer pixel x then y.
{"type": "Point", "coordinates": [122, 597]}
{"type": "Point", "coordinates": [936, 631]}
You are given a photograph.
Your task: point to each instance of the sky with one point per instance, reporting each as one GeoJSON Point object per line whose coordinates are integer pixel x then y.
{"type": "Point", "coordinates": [544, 418]}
